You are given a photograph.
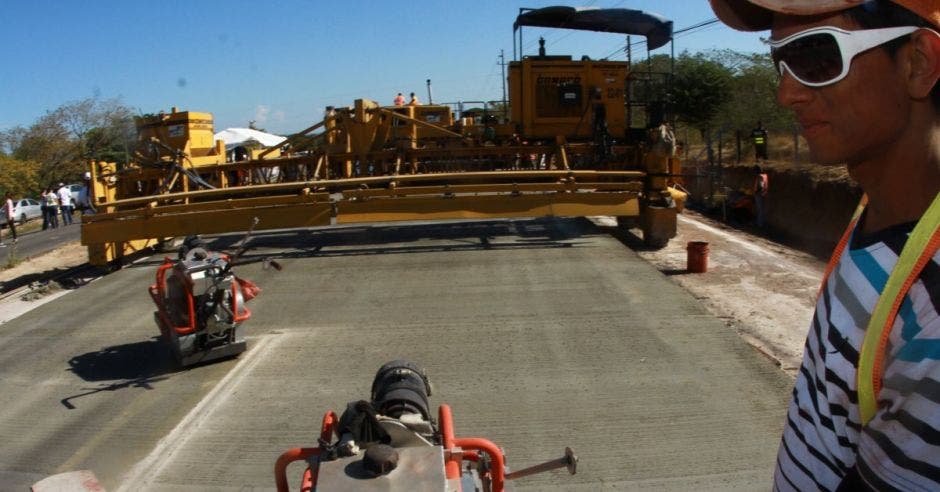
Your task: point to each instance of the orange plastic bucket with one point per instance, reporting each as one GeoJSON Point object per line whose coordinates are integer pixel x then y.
{"type": "Point", "coordinates": [697, 257]}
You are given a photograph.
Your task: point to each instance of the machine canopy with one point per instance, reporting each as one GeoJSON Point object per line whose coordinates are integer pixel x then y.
{"type": "Point", "coordinates": [656, 28]}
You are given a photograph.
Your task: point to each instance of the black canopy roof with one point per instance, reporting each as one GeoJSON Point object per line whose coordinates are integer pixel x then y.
{"type": "Point", "coordinates": [656, 28]}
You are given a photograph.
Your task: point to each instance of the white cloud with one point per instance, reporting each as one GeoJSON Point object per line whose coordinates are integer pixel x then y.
{"type": "Point", "coordinates": [261, 113]}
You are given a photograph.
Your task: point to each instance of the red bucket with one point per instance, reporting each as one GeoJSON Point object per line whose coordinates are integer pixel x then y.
{"type": "Point", "coordinates": [697, 257]}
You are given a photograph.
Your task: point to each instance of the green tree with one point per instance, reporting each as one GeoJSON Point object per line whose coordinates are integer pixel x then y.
{"type": "Point", "coordinates": [62, 141]}
{"type": "Point", "coordinates": [753, 94]}
{"type": "Point", "coordinates": [701, 87]}
{"type": "Point", "coordinates": [47, 145]}
{"type": "Point", "coordinates": [18, 177]}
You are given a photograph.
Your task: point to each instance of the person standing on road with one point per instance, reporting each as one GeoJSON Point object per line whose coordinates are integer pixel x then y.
{"type": "Point", "coordinates": [65, 203]}
{"type": "Point", "coordinates": [86, 197]}
{"type": "Point", "coordinates": [761, 185]}
{"type": "Point", "coordinates": [8, 215]}
{"type": "Point", "coordinates": [44, 209]}
{"type": "Point", "coordinates": [861, 78]}
{"type": "Point", "coordinates": [52, 207]}
{"type": "Point", "coordinates": [759, 138]}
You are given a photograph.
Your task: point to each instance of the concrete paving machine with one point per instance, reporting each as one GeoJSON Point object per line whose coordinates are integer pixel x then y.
{"type": "Point", "coordinates": [571, 141]}
{"type": "Point", "coordinates": [392, 442]}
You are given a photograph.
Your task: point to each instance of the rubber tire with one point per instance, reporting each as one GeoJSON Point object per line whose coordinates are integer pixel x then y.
{"type": "Point", "coordinates": [655, 242]}
{"type": "Point", "coordinates": [627, 222]}
{"type": "Point", "coordinates": [23, 218]}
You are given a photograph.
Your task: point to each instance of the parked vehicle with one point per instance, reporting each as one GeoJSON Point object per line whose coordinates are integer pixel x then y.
{"type": "Point", "coordinates": [76, 191]}
{"type": "Point", "coordinates": [26, 209]}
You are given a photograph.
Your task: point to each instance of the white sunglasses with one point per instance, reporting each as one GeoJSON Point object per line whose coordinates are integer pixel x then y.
{"type": "Point", "coordinates": [823, 55]}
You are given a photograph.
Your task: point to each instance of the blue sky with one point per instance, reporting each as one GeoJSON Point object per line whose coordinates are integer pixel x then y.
{"type": "Point", "coordinates": [281, 62]}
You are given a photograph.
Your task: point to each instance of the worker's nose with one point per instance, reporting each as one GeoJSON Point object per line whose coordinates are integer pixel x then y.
{"type": "Point", "coordinates": [790, 92]}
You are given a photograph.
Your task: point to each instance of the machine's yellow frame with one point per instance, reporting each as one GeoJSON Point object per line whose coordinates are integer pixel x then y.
{"type": "Point", "coordinates": [125, 226]}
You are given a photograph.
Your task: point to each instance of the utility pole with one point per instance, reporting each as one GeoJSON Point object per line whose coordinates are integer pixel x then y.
{"type": "Point", "coordinates": [629, 87]}
{"type": "Point", "coordinates": [629, 54]}
{"type": "Point", "coordinates": [502, 64]}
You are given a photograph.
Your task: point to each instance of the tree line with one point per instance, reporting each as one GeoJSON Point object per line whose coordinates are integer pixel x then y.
{"type": "Point", "coordinates": [720, 91]}
{"type": "Point", "coordinates": [57, 147]}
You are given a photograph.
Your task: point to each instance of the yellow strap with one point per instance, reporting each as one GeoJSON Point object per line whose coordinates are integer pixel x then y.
{"type": "Point", "coordinates": [918, 250]}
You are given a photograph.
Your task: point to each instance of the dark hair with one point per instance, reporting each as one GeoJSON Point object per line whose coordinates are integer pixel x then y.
{"type": "Point", "coordinates": [876, 14]}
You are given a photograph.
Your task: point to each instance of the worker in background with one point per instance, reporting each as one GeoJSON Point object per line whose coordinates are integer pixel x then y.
{"type": "Point", "coordinates": [44, 209]}
{"type": "Point", "coordinates": [399, 100]}
{"type": "Point", "coordinates": [65, 203]}
{"type": "Point", "coordinates": [861, 78]}
{"type": "Point", "coordinates": [8, 217]}
{"type": "Point", "coordinates": [759, 138]}
{"type": "Point", "coordinates": [51, 200]}
{"type": "Point", "coordinates": [761, 183]}
{"type": "Point", "coordinates": [85, 201]}
{"type": "Point", "coordinates": [414, 100]}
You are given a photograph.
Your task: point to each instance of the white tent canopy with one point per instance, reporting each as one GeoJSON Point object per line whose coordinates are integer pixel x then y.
{"type": "Point", "coordinates": [233, 137]}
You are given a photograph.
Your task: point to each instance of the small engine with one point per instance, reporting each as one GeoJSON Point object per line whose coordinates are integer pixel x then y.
{"type": "Point", "coordinates": [201, 305]}
{"type": "Point", "coordinates": [393, 443]}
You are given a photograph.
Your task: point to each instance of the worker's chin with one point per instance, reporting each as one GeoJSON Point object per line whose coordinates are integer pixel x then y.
{"type": "Point", "coordinates": [823, 157]}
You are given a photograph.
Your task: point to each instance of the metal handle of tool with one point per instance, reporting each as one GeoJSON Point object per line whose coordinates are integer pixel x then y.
{"type": "Point", "coordinates": [569, 460]}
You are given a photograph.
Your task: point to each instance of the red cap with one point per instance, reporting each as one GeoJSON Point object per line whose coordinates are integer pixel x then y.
{"type": "Point", "coordinates": [757, 15]}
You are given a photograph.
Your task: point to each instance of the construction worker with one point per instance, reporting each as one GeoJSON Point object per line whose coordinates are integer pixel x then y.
{"type": "Point", "coordinates": [8, 217]}
{"type": "Point", "coordinates": [414, 100]}
{"type": "Point", "coordinates": [861, 77]}
{"type": "Point", "coordinates": [65, 203]}
{"type": "Point", "coordinates": [399, 100]}
{"type": "Point", "coordinates": [760, 189]}
{"type": "Point", "coordinates": [86, 197]}
{"type": "Point", "coordinates": [759, 137]}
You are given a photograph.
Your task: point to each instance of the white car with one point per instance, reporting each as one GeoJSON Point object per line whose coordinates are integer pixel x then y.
{"type": "Point", "coordinates": [26, 209]}
{"type": "Point", "coordinates": [76, 191]}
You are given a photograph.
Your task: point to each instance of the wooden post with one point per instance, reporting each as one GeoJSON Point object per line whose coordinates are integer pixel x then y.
{"type": "Point", "coordinates": [796, 147]}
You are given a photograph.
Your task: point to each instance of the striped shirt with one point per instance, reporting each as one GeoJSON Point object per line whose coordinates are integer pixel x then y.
{"type": "Point", "coordinates": [823, 438]}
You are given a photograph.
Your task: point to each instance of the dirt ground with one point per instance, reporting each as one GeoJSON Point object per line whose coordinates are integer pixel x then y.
{"type": "Point", "coordinates": [763, 290]}
{"type": "Point", "coordinates": [69, 255]}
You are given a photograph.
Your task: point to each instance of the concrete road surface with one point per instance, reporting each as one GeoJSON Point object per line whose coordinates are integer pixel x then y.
{"type": "Point", "coordinates": [540, 334]}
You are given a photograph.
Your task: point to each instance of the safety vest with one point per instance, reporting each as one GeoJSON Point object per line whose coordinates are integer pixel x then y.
{"type": "Point", "coordinates": [921, 245]}
{"type": "Point", "coordinates": [759, 137]}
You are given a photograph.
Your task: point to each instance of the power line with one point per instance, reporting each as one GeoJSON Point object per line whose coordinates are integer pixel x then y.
{"type": "Point", "coordinates": [675, 34]}
{"type": "Point", "coordinates": [713, 20]}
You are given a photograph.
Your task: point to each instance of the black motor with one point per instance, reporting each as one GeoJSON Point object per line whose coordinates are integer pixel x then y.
{"type": "Point", "coordinates": [400, 387]}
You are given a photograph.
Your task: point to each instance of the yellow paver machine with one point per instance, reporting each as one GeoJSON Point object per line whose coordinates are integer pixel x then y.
{"type": "Point", "coordinates": [564, 144]}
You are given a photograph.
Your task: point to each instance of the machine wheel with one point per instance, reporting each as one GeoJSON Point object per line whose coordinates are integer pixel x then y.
{"type": "Point", "coordinates": [659, 225]}
{"type": "Point", "coordinates": [23, 218]}
{"type": "Point", "coordinates": [655, 242]}
{"type": "Point", "coordinates": [626, 222]}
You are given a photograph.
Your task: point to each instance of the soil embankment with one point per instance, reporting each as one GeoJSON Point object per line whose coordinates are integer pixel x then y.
{"type": "Point", "coordinates": [808, 206]}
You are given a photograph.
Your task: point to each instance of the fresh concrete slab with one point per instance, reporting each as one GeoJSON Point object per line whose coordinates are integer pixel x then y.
{"type": "Point", "coordinates": [540, 334]}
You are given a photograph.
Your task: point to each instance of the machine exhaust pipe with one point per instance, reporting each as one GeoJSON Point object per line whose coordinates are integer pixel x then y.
{"type": "Point", "coordinates": [430, 99]}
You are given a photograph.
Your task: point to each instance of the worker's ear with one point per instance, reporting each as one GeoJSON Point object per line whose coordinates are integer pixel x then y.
{"type": "Point", "coordinates": [922, 59]}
